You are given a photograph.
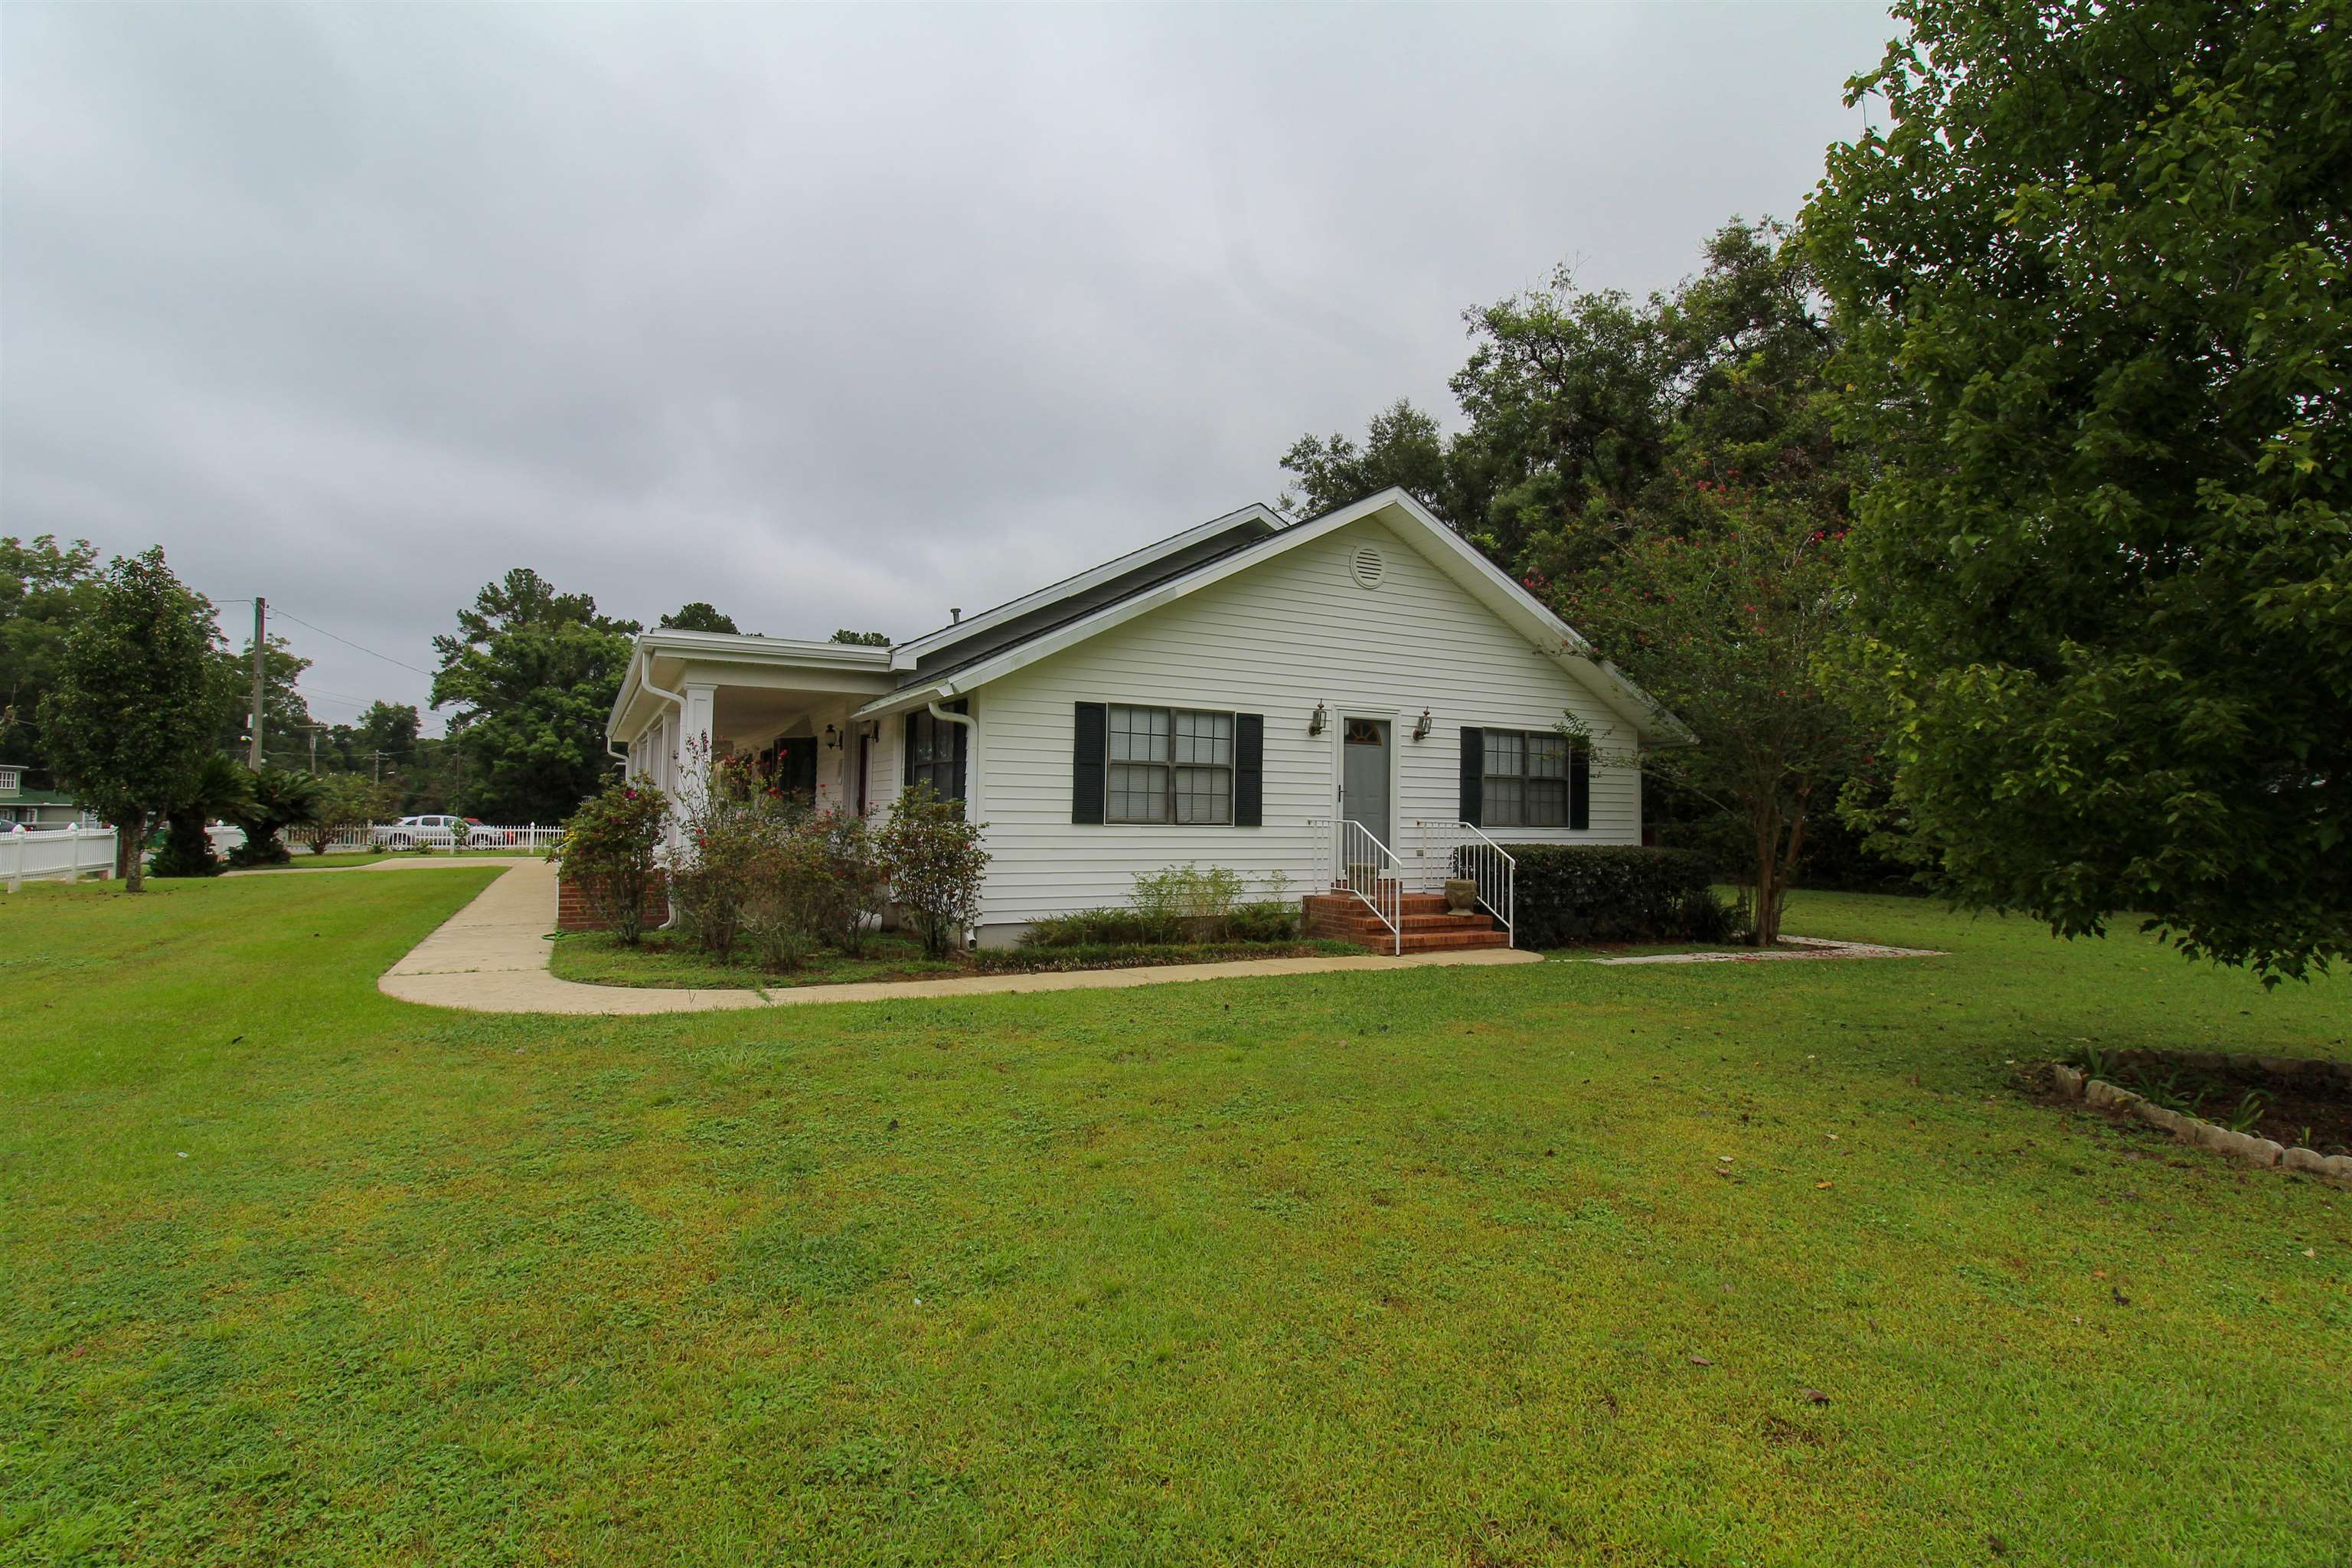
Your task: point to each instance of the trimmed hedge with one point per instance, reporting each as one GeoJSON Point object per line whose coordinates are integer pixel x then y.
{"type": "Point", "coordinates": [1574, 893]}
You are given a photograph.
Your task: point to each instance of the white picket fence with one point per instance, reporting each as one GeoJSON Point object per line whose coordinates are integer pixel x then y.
{"type": "Point", "coordinates": [400, 836]}
{"type": "Point", "coordinates": [59, 855]}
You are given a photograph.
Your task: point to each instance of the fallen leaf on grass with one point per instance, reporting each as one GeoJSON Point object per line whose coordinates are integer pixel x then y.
{"type": "Point", "coordinates": [1701, 1360]}
{"type": "Point", "coordinates": [1815, 1395]}
{"type": "Point", "coordinates": [1819, 1186]}
{"type": "Point", "coordinates": [2121, 1299]}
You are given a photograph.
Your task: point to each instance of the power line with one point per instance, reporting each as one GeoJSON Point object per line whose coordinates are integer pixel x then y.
{"type": "Point", "coordinates": [348, 643]}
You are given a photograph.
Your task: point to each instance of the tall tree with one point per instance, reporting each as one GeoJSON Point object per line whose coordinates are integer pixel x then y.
{"type": "Point", "coordinates": [1723, 625]}
{"type": "Point", "coordinates": [861, 639]}
{"type": "Point", "coordinates": [2094, 264]}
{"type": "Point", "coordinates": [699, 616]}
{"type": "Point", "coordinates": [44, 588]}
{"type": "Point", "coordinates": [1403, 447]}
{"type": "Point", "coordinates": [130, 720]}
{"type": "Point", "coordinates": [531, 674]}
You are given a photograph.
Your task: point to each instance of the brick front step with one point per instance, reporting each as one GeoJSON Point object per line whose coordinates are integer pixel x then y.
{"type": "Point", "coordinates": [1428, 925]}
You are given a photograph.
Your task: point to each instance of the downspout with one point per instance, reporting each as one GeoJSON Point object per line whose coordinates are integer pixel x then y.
{"type": "Point", "coordinates": [971, 751]}
{"type": "Point", "coordinates": [676, 701]}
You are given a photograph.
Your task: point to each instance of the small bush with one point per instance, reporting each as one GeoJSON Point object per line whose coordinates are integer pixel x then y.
{"type": "Point", "coordinates": [1571, 893]}
{"type": "Point", "coordinates": [1143, 954]}
{"type": "Point", "coordinates": [1181, 903]}
{"type": "Point", "coordinates": [610, 846]}
{"type": "Point", "coordinates": [1268, 920]}
{"type": "Point", "coordinates": [935, 865]}
{"type": "Point", "coordinates": [1190, 901]}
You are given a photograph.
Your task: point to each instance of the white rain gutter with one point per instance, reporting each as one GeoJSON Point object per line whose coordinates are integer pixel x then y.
{"type": "Point", "coordinates": [676, 701]}
{"type": "Point", "coordinates": [971, 939]}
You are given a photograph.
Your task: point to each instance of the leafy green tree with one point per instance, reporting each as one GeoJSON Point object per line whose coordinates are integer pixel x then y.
{"type": "Point", "coordinates": [128, 722]}
{"type": "Point", "coordinates": [347, 803]}
{"type": "Point", "coordinates": [1724, 627]}
{"type": "Point", "coordinates": [1566, 397]}
{"type": "Point", "coordinates": [698, 616]}
{"type": "Point", "coordinates": [44, 587]}
{"type": "Point", "coordinates": [863, 639]}
{"type": "Point", "coordinates": [1405, 448]}
{"type": "Point", "coordinates": [531, 674]}
{"type": "Point", "coordinates": [2094, 262]}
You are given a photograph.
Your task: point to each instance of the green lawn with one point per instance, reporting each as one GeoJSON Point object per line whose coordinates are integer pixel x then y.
{"type": "Point", "coordinates": [1405, 1268]}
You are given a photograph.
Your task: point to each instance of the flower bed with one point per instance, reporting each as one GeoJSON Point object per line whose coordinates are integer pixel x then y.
{"type": "Point", "coordinates": [2288, 1112]}
{"type": "Point", "coordinates": [664, 961]}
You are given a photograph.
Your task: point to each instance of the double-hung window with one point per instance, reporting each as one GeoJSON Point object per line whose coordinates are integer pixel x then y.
{"type": "Point", "coordinates": [1171, 765]}
{"type": "Point", "coordinates": [1526, 783]}
{"type": "Point", "coordinates": [937, 751]}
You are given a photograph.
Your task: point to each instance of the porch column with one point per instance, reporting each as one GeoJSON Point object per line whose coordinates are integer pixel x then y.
{"type": "Point", "coordinates": [694, 742]}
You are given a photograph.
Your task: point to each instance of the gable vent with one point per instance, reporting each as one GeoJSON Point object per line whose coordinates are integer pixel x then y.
{"type": "Point", "coordinates": [1367, 566]}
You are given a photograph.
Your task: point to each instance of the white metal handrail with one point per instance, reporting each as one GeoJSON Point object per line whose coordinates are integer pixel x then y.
{"type": "Point", "coordinates": [1364, 867]}
{"type": "Point", "coordinates": [1462, 850]}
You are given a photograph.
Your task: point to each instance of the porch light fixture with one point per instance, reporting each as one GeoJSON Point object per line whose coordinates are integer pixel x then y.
{"type": "Point", "coordinates": [832, 738]}
{"type": "Point", "coordinates": [1317, 720]}
{"type": "Point", "coordinates": [1423, 726]}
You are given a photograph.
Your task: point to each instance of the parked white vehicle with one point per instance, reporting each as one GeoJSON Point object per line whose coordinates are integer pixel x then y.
{"type": "Point", "coordinates": [440, 832]}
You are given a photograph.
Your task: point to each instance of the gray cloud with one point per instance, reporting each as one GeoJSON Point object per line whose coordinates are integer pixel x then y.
{"type": "Point", "coordinates": [829, 316]}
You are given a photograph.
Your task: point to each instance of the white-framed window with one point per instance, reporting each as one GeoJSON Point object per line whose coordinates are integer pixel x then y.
{"type": "Point", "coordinates": [1526, 783]}
{"type": "Point", "coordinates": [1171, 765]}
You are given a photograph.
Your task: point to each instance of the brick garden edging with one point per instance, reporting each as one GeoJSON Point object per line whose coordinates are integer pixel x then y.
{"type": "Point", "coordinates": [575, 911]}
{"type": "Point", "coordinates": [2101, 1095]}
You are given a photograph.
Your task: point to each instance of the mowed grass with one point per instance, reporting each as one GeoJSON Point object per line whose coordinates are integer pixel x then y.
{"type": "Point", "coordinates": [1389, 1268]}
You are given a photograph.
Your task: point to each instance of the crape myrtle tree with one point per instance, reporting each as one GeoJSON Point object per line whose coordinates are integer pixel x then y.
{"type": "Point", "coordinates": [1723, 628]}
{"type": "Point", "coordinates": [129, 721]}
{"type": "Point", "coordinates": [2092, 264]}
{"type": "Point", "coordinates": [531, 675]}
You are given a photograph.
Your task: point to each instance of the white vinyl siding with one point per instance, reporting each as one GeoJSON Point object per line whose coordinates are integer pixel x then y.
{"type": "Point", "coordinates": [1275, 639]}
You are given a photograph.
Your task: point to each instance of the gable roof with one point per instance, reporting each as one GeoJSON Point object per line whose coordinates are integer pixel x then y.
{"type": "Point", "coordinates": [1134, 572]}
{"type": "Point", "coordinates": [1447, 550]}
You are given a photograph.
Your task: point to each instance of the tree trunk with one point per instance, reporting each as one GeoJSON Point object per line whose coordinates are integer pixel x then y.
{"type": "Point", "coordinates": [131, 852]}
{"type": "Point", "coordinates": [1767, 823]}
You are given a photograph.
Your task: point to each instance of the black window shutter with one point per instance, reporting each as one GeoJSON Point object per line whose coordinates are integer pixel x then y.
{"type": "Point", "coordinates": [1473, 774]}
{"type": "Point", "coordinates": [1579, 788]}
{"type": "Point", "coordinates": [1249, 770]}
{"type": "Point", "coordinates": [1093, 738]}
{"type": "Point", "coordinates": [907, 749]}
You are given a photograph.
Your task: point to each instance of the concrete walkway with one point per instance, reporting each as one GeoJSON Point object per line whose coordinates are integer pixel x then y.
{"type": "Point", "coordinates": [1812, 947]}
{"type": "Point", "coordinates": [492, 957]}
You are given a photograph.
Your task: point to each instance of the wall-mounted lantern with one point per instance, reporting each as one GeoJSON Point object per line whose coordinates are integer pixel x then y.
{"type": "Point", "coordinates": [832, 738]}
{"type": "Point", "coordinates": [1317, 720]}
{"type": "Point", "coordinates": [1423, 726]}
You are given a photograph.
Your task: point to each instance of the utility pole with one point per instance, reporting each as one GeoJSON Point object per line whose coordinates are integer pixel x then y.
{"type": "Point", "coordinates": [260, 651]}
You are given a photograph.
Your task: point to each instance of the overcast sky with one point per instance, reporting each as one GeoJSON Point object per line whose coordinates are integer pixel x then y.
{"type": "Point", "coordinates": [829, 316]}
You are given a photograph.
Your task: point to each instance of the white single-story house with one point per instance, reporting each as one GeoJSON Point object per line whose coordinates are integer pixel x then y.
{"type": "Point", "coordinates": [1359, 699]}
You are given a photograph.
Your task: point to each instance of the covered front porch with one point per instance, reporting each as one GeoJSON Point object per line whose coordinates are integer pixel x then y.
{"type": "Point", "coordinates": [692, 697]}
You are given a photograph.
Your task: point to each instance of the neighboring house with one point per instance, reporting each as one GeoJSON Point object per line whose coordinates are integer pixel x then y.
{"type": "Point", "coordinates": [1232, 696]}
{"type": "Point", "coordinates": [38, 810]}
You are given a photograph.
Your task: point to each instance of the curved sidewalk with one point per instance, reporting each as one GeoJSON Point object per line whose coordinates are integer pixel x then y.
{"type": "Point", "coordinates": [492, 957]}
